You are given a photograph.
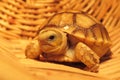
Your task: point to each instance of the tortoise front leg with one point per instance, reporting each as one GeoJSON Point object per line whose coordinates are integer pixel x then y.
{"type": "Point", "coordinates": [33, 50]}
{"type": "Point", "coordinates": [87, 56]}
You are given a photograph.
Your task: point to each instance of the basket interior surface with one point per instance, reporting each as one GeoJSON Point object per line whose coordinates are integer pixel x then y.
{"type": "Point", "coordinates": [21, 19]}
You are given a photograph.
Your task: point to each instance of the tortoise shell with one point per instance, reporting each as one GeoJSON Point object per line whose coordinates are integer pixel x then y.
{"type": "Point", "coordinates": [80, 26]}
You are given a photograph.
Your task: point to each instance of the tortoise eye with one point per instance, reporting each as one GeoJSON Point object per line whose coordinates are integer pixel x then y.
{"type": "Point", "coordinates": [52, 37]}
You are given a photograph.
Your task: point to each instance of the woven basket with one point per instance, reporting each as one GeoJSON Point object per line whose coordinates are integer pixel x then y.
{"type": "Point", "coordinates": [21, 19]}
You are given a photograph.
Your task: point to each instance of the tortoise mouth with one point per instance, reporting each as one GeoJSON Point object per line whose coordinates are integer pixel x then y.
{"type": "Point", "coordinates": [50, 57]}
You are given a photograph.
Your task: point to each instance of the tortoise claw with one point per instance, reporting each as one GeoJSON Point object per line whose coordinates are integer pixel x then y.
{"type": "Point", "coordinates": [93, 68]}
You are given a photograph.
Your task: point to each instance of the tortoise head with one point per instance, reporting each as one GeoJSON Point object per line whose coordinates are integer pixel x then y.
{"type": "Point", "coordinates": [52, 41]}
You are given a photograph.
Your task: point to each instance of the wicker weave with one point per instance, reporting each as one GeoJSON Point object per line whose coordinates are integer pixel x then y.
{"type": "Point", "coordinates": [21, 19]}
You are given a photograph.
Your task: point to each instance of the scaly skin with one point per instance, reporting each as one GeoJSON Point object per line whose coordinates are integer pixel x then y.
{"type": "Point", "coordinates": [87, 56]}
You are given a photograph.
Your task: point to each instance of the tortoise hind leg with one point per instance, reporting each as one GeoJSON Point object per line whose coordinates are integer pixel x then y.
{"type": "Point", "coordinates": [87, 56]}
{"type": "Point", "coordinates": [107, 56]}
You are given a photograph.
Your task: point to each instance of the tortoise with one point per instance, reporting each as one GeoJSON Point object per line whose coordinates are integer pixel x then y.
{"type": "Point", "coordinates": [71, 37]}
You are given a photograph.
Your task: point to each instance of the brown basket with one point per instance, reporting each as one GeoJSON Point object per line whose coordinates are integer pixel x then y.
{"type": "Point", "coordinates": [21, 19]}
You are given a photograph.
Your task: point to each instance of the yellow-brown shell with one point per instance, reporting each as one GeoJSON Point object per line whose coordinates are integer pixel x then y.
{"type": "Point", "coordinates": [84, 28]}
